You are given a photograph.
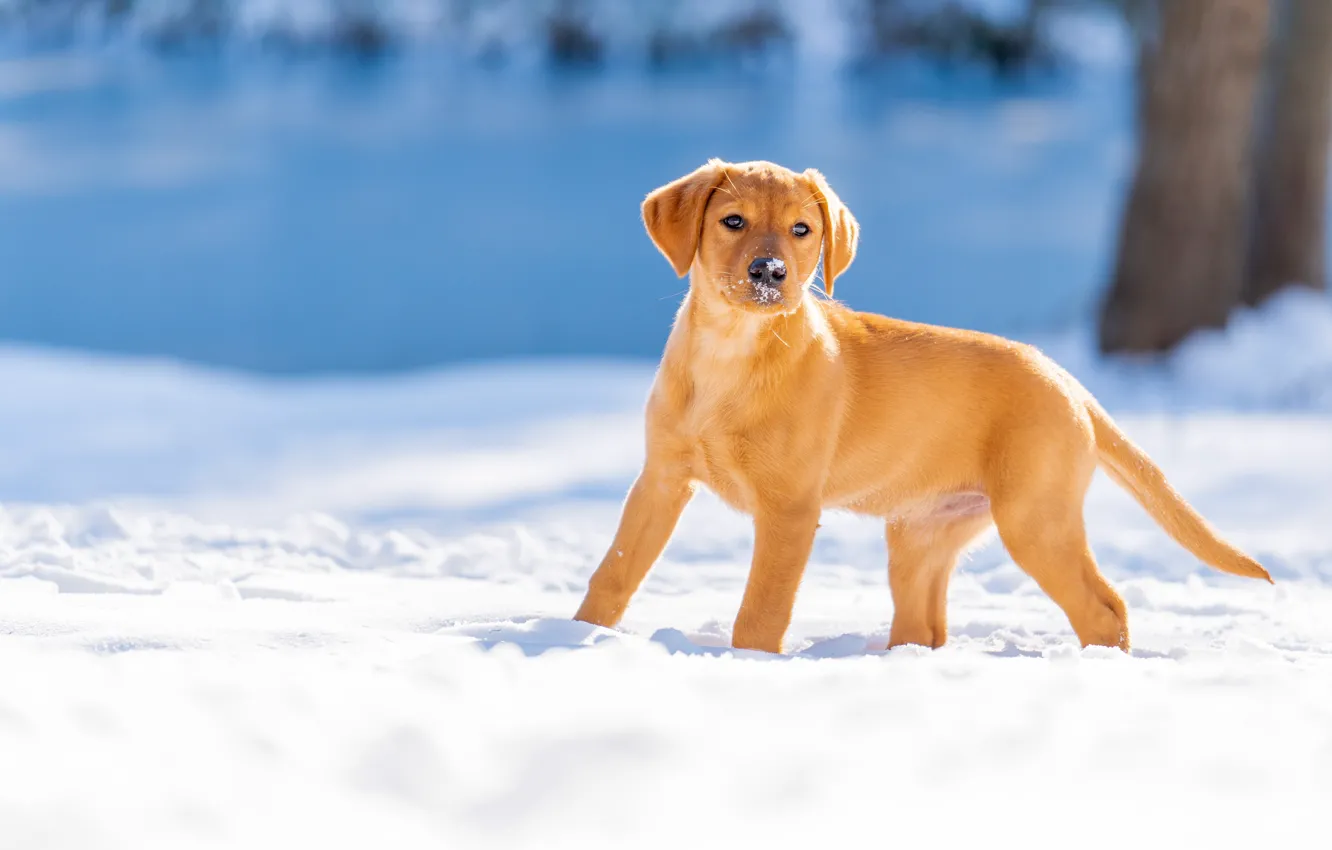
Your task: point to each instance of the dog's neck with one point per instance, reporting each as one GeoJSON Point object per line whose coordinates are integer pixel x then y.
{"type": "Point", "coordinates": [717, 331]}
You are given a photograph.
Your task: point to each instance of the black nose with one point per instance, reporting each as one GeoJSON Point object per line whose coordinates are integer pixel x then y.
{"type": "Point", "coordinates": [769, 270]}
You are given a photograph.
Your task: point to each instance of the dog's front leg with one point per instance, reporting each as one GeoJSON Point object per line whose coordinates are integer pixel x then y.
{"type": "Point", "coordinates": [654, 506]}
{"type": "Point", "coordinates": [783, 538]}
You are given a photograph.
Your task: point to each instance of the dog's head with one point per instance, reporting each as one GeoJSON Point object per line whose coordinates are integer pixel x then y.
{"type": "Point", "coordinates": [754, 230]}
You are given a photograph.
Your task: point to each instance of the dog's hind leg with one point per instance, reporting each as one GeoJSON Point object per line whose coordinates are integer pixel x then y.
{"type": "Point", "coordinates": [1062, 564]}
{"type": "Point", "coordinates": [922, 553]}
{"type": "Point", "coordinates": [1038, 509]}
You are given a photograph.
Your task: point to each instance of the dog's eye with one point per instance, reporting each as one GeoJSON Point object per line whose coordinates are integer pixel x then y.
{"type": "Point", "coordinates": [800, 229]}
{"type": "Point", "coordinates": [734, 222]}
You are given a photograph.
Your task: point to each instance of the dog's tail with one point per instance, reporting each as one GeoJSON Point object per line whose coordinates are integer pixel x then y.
{"type": "Point", "coordinates": [1133, 470]}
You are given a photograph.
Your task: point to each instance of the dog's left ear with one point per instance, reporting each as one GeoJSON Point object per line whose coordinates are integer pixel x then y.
{"type": "Point", "coordinates": [673, 214]}
{"type": "Point", "coordinates": [841, 231]}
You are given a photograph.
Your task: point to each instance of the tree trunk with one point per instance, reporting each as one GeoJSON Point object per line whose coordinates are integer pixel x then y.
{"type": "Point", "coordinates": [1181, 249]}
{"type": "Point", "coordinates": [1289, 225]}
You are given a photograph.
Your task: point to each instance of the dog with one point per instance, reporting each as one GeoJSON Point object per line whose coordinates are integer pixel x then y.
{"type": "Point", "coordinates": [785, 404]}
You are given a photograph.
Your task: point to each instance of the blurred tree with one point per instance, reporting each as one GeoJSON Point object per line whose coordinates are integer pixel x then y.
{"type": "Point", "coordinates": [1182, 240]}
{"type": "Point", "coordinates": [1289, 220]}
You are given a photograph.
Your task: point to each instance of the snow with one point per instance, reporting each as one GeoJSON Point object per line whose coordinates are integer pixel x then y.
{"type": "Point", "coordinates": [1276, 358]}
{"type": "Point", "coordinates": [242, 612]}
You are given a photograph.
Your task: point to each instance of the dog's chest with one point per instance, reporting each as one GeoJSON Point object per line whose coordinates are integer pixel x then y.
{"type": "Point", "coordinates": [719, 464]}
{"type": "Point", "coordinates": [735, 415]}
{"type": "Point", "coordinates": [730, 444]}
{"type": "Point", "coordinates": [722, 381]}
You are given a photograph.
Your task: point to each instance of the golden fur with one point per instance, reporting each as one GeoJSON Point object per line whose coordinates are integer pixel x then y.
{"type": "Point", "coordinates": [785, 404]}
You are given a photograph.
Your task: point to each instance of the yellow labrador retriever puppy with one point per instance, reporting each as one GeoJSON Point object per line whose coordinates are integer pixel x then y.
{"type": "Point", "coordinates": [785, 404]}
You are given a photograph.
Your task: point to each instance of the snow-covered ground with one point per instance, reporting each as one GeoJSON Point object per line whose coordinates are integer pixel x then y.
{"type": "Point", "coordinates": [262, 613]}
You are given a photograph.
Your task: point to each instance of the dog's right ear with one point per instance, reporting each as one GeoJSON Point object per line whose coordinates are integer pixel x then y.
{"type": "Point", "coordinates": [673, 214]}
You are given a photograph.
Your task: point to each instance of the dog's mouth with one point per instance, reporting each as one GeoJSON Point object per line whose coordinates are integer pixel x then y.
{"type": "Point", "coordinates": [766, 298]}
{"type": "Point", "coordinates": [766, 295]}
{"type": "Point", "coordinates": [757, 296]}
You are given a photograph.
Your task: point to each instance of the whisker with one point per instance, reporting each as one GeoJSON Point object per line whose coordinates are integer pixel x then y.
{"type": "Point", "coordinates": [818, 285]}
{"type": "Point", "coordinates": [733, 186]}
{"type": "Point", "coordinates": [779, 338]}
{"type": "Point", "coordinates": [674, 294]}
